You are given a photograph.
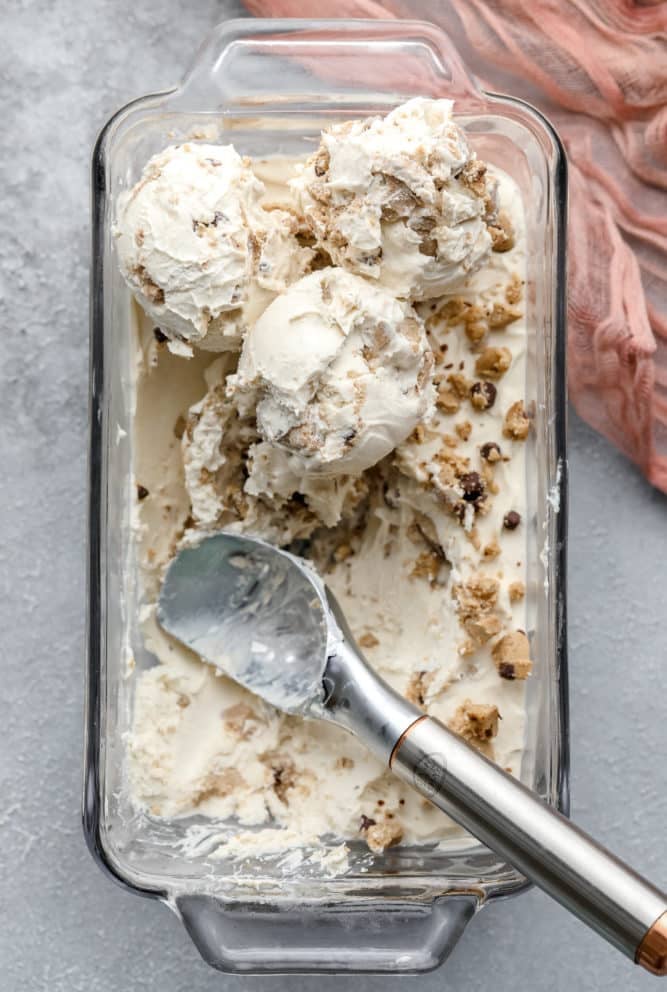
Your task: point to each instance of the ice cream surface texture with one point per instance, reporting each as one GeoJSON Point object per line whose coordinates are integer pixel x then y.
{"type": "Point", "coordinates": [400, 199]}
{"type": "Point", "coordinates": [198, 251]}
{"type": "Point", "coordinates": [382, 436]}
{"type": "Point", "coordinates": [337, 372]}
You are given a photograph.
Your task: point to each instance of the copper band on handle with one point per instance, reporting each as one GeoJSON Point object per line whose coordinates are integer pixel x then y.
{"type": "Point", "coordinates": [397, 746]}
{"type": "Point", "coordinates": [652, 952]}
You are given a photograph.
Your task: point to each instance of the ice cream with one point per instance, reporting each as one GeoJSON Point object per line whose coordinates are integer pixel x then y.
{"type": "Point", "coordinates": [382, 437]}
{"type": "Point", "coordinates": [401, 199]}
{"type": "Point", "coordinates": [337, 372]}
{"type": "Point", "coordinates": [332, 377]}
{"type": "Point", "coordinates": [235, 480]}
{"type": "Point", "coordinates": [198, 251]}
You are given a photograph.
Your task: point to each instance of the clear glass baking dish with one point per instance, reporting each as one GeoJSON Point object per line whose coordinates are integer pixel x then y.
{"type": "Point", "coordinates": [269, 86]}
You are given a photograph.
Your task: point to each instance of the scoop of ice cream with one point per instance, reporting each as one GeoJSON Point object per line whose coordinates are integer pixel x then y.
{"type": "Point", "coordinates": [339, 372]}
{"type": "Point", "coordinates": [400, 199]}
{"type": "Point", "coordinates": [235, 481]}
{"type": "Point", "coordinates": [198, 251]}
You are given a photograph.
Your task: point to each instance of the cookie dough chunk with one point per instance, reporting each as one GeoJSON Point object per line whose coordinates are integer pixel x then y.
{"type": "Point", "coordinates": [476, 723]}
{"type": "Point", "coordinates": [511, 655]}
{"type": "Point", "coordinates": [516, 425]}
{"type": "Point", "coordinates": [476, 602]}
{"type": "Point", "coordinates": [380, 836]}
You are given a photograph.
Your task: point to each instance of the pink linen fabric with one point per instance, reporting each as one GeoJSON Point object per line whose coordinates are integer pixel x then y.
{"type": "Point", "coordinates": [598, 70]}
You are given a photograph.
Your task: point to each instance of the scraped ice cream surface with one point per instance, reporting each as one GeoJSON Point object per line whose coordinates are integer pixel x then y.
{"type": "Point", "coordinates": [366, 410]}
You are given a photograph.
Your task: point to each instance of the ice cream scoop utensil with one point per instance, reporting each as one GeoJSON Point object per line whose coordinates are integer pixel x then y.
{"type": "Point", "coordinates": [263, 617]}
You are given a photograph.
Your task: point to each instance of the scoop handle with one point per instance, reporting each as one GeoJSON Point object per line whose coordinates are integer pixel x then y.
{"type": "Point", "coordinates": [494, 806]}
{"type": "Point", "coordinates": [553, 853]}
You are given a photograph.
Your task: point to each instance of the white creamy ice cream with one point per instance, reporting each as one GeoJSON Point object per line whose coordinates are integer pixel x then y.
{"type": "Point", "coordinates": [198, 251]}
{"type": "Point", "coordinates": [425, 548]}
{"type": "Point", "coordinates": [337, 372]}
{"type": "Point", "coordinates": [235, 480]}
{"type": "Point", "coordinates": [400, 199]}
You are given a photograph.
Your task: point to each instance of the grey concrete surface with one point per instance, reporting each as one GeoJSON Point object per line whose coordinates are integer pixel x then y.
{"type": "Point", "coordinates": [63, 927]}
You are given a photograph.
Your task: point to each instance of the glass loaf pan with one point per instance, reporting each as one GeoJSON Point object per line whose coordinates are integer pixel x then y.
{"type": "Point", "coordinates": [269, 86]}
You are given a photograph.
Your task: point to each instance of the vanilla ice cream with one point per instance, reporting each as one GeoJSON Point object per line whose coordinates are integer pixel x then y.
{"type": "Point", "coordinates": [338, 373]}
{"type": "Point", "coordinates": [400, 199]}
{"type": "Point", "coordinates": [198, 251]}
{"type": "Point", "coordinates": [381, 436]}
{"type": "Point", "coordinates": [235, 480]}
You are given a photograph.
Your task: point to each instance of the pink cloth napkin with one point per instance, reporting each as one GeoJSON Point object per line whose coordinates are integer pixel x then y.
{"type": "Point", "coordinates": [598, 70]}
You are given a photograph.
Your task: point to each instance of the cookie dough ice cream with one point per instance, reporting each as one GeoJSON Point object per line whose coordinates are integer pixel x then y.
{"type": "Point", "coordinates": [198, 251]}
{"type": "Point", "coordinates": [337, 372]}
{"type": "Point", "coordinates": [401, 199]}
{"type": "Point", "coordinates": [379, 432]}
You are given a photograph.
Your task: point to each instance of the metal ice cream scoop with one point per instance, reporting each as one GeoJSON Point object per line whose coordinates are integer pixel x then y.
{"type": "Point", "coordinates": [265, 618]}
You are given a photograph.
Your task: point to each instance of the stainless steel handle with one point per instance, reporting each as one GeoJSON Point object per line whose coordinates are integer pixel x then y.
{"type": "Point", "coordinates": [505, 815]}
{"type": "Point", "coordinates": [537, 840]}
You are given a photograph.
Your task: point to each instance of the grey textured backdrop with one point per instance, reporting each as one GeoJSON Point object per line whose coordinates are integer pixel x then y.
{"type": "Point", "coordinates": [63, 927]}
